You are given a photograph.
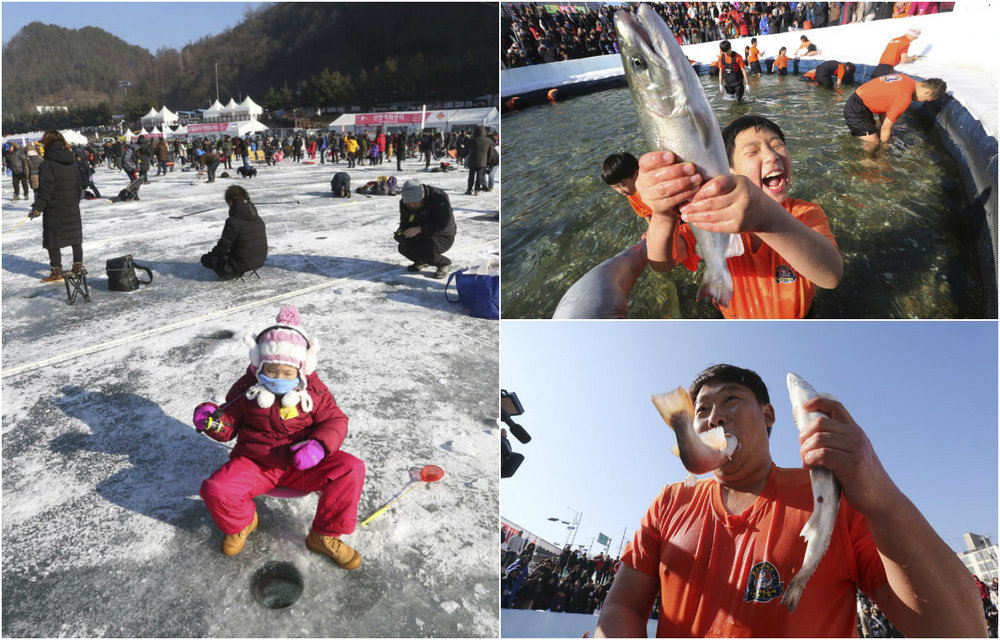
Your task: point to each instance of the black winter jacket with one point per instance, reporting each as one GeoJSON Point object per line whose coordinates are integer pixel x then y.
{"type": "Point", "coordinates": [244, 238]}
{"type": "Point", "coordinates": [479, 150]}
{"type": "Point", "coordinates": [435, 217]}
{"type": "Point", "coordinates": [58, 198]}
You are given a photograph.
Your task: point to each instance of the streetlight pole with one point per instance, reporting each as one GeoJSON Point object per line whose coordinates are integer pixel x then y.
{"type": "Point", "coordinates": [216, 81]}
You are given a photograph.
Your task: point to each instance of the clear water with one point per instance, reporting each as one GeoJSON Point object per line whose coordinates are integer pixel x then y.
{"type": "Point", "coordinates": [277, 585]}
{"type": "Point", "coordinates": [906, 247]}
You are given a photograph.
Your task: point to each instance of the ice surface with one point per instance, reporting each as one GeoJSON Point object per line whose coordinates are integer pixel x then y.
{"type": "Point", "coordinates": [103, 529]}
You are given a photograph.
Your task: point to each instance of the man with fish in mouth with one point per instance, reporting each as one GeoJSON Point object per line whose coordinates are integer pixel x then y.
{"type": "Point", "coordinates": [721, 553]}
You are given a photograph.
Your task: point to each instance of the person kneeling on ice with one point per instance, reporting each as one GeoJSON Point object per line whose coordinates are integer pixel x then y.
{"type": "Point", "coordinates": [789, 249]}
{"type": "Point", "coordinates": [289, 432]}
{"type": "Point", "coordinates": [721, 553]}
{"type": "Point", "coordinates": [426, 227]}
{"type": "Point", "coordinates": [243, 245]}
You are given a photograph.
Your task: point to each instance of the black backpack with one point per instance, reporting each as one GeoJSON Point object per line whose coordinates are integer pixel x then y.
{"type": "Point", "coordinates": [121, 274]}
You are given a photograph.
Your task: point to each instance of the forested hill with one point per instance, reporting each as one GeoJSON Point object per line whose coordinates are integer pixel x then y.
{"type": "Point", "coordinates": [46, 64]}
{"type": "Point", "coordinates": [283, 55]}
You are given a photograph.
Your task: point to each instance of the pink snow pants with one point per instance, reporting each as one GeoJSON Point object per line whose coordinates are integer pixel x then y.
{"type": "Point", "coordinates": [228, 493]}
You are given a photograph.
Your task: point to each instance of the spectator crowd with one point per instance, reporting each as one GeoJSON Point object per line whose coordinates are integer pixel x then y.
{"type": "Point", "coordinates": [534, 34]}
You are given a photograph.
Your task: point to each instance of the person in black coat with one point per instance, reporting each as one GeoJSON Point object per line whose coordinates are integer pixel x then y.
{"type": "Point", "coordinates": [479, 154]}
{"type": "Point", "coordinates": [58, 197]}
{"type": "Point", "coordinates": [243, 245]}
{"type": "Point", "coordinates": [426, 227]}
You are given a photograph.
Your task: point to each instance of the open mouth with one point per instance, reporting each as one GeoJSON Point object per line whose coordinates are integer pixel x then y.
{"type": "Point", "coordinates": [774, 181]}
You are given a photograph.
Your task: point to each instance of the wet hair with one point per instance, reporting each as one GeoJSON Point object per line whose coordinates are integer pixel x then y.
{"type": "Point", "coordinates": [753, 40]}
{"type": "Point", "coordinates": [937, 87]}
{"type": "Point", "coordinates": [236, 193]}
{"type": "Point", "coordinates": [618, 167]}
{"type": "Point", "coordinates": [741, 124]}
{"type": "Point", "coordinates": [54, 137]}
{"type": "Point", "coordinates": [725, 46]}
{"type": "Point", "coordinates": [849, 72]}
{"type": "Point", "coordinates": [803, 38]}
{"type": "Point", "coordinates": [731, 373]}
{"type": "Point", "coordinates": [782, 49]}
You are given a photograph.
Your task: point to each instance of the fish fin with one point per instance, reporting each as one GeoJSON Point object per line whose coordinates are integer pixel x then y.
{"type": "Point", "coordinates": [719, 288]}
{"type": "Point", "coordinates": [673, 404]}
{"type": "Point", "coordinates": [793, 592]}
{"type": "Point", "coordinates": [690, 480]}
{"type": "Point", "coordinates": [735, 247]}
{"type": "Point", "coordinates": [707, 125]}
{"type": "Point", "coordinates": [675, 450]}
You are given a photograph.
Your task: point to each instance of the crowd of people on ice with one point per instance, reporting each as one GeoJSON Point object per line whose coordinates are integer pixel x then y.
{"type": "Point", "coordinates": [537, 36]}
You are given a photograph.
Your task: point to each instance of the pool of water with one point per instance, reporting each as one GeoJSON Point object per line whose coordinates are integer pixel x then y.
{"type": "Point", "coordinates": [907, 247]}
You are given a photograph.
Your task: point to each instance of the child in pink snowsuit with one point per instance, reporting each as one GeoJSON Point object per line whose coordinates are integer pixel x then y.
{"type": "Point", "coordinates": [293, 443]}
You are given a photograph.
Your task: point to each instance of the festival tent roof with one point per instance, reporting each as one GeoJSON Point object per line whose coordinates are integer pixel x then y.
{"type": "Point", "coordinates": [152, 113]}
{"type": "Point", "coordinates": [250, 106]}
{"type": "Point", "coordinates": [179, 131]}
{"type": "Point", "coordinates": [213, 110]}
{"type": "Point", "coordinates": [167, 116]}
{"type": "Point", "coordinates": [230, 106]}
{"type": "Point", "coordinates": [471, 116]}
{"type": "Point", "coordinates": [244, 127]}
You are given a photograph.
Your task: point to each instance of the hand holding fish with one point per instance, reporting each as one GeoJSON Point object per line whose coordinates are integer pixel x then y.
{"type": "Point", "coordinates": [837, 443]}
{"type": "Point", "coordinates": [729, 204]}
{"type": "Point", "coordinates": [665, 181]}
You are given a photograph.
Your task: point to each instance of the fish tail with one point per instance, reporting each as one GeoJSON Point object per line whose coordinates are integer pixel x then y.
{"type": "Point", "coordinates": [735, 246]}
{"type": "Point", "coordinates": [673, 405]}
{"type": "Point", "coordinates": [794, 591]}
{"type": "Point", "coordinates": [717, 285]}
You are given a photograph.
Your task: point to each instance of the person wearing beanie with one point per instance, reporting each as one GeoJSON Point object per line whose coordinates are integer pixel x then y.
{"type": "Point", "coordinates": [289, 432]}
{"type": "Point", "coordinates": [426, 227]}
{"type": "Point", "coordinates": [243, 245]}
{"type": "Point", "coordinates": [895, 53]}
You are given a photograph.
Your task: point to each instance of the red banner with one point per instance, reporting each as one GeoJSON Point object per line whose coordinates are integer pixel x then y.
{"type": "Point", "coordinates": [386, 118]}
{"type": "Point", "coordinates": [211, 127]}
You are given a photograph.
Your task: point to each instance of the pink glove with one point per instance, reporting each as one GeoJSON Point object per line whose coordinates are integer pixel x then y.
{"type": "Point", "coordinates": [308, 453]}
{"type": "Point", "coordinates": [202, 413]}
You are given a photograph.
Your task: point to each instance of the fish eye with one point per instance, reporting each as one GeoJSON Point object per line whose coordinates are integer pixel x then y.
{"type": "Point", "coordinates": [638, 62]}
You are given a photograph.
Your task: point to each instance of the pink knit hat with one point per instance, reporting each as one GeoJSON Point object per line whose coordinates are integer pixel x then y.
{"type": "Point", "coordinates": [285, 342]}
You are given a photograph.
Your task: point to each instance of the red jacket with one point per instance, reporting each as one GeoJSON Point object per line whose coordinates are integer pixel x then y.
{"type": "Point", "coordinates": [265, 437]}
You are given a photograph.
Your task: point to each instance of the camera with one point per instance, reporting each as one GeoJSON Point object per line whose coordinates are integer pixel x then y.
{"type": "Point", "coordinates": [509, 459]}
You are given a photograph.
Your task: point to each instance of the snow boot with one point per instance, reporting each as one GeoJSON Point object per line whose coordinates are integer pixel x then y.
{"type": "Point", "coordinates": [335, 549]}
{"type": "Point", "coordinates": [55, 276]}
{"type": "Point", "coordinates": [442, 272]}
{"type": "Point", "coordinates": [77, 268]}
{"type": "Point", "coordinates": [232, 543]}
{"type": "Point", "coordinates": [416, 266]}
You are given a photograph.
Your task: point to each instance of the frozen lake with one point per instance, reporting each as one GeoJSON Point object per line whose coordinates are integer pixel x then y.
{"type": "Point", "coordinates": [104, 532]}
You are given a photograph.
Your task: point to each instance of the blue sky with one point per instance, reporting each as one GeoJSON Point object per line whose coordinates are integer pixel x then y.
{"type": "Point", "coordinates": [925, 393]}
{"type": "Point", "coordinates": [148, 24]}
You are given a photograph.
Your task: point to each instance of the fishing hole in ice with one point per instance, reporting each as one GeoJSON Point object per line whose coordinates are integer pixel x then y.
{"type": "Point", "coordinates": [277, 585]}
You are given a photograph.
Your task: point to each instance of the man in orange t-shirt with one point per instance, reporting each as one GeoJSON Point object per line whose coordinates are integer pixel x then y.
{"type": "Point", "coordinates": [754, 58]}
{"type": "Point", "coordinates": [895, 53]}
{"type": "Point", "coordinates": [721, 553]}
{"type": "Point", "coordinates": [788, 246]}
{"type": "Point", "coordinates": [888, 96]}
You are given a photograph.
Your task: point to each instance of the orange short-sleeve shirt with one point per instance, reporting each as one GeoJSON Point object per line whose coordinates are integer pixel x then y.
{"type": "Point", "coordinates": [723, 575]}
{"type": "Point", "coordinates": [890, 94]}
{"type": "Point", "coordinates": [764, 284]}
{"type": "Point", "coordinates": [894, 51]}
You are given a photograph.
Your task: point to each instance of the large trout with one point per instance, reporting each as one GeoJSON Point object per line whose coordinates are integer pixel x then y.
{"type": "Point", "coordinates": [676, 116]}
{"type": "Point", "coordinates": [826, 497]}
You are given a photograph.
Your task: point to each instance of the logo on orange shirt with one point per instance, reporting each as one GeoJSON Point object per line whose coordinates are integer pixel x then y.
{"type": "Point", "coordinates": [891, 78]}
{"type": "Point", "coordinates": [764, 583]}
{"type": "Point", "coordinates": [784, 274]}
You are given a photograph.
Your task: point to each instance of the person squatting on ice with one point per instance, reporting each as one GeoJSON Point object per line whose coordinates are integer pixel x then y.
{"type": "Point", "coordinates": [289, 432]}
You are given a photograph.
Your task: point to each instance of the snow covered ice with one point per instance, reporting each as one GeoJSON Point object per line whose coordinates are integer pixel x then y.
{"type": "Point", "coordinates": [104, 532]}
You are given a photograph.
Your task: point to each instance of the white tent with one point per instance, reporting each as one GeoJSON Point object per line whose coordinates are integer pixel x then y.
{"type": "Point", "coordinates": [152, 114]}
{"type": "Point", "coordinates": [214, 110]}
{"type": "Point", "coordinates": [230, 106]}
{"type": "Point", "coordinates": [250, 107]}
{"type": "Point", "coordinates": [244, 127]}
{"type": "Point", "coordinates": [166, 116]}
{"type": "Point", "coordinates": [179, 131]}
{"type": "Point", "coordinates": [459, 117]}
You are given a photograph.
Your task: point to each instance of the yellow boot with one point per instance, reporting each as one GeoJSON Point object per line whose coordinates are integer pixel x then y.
{"type": "Point", "coordinates": [232, 543]}
{"type": "Point", "coordinates": [335, 549]}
